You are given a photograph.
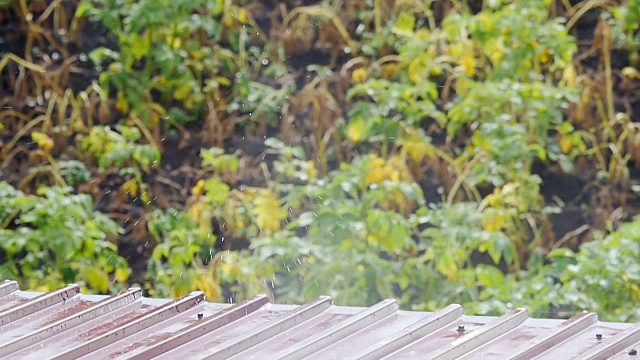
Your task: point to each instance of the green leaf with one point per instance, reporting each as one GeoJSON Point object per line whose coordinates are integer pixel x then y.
{"type": "Point", "coordinates": [217, 191]}
{"type": "Point", "coordinates": [489, 276]}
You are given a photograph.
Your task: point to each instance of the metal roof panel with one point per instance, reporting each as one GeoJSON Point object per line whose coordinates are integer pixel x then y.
{"type": "Point", "coordinates": [65, 324]}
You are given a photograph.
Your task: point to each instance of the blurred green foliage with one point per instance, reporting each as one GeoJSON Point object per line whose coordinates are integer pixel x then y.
{"type": "Point", "coordinates": [56, 237]}
{"type": "Point", "coordinates": [337, 199]}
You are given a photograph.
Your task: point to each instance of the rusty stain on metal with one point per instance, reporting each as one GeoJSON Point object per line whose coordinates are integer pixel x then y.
{"type": "Point", "coordinates": [65, 324]}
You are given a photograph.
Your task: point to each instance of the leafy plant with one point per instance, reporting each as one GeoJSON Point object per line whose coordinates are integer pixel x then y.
{"type": "Point", "coordinates": [603, 276]}
{"type": "Point", "coordinates": [121, 150]}
{"type": "Point", "coordinates": [176, 266]}
{"type": "Point", "coordinates": [54, 238]}
{"type": "Point", "coordinates": [626, 29]}
{"type": "Point", "coordinates": [347, 216]}
{"type": "Point", "coordinates": [163, 49]}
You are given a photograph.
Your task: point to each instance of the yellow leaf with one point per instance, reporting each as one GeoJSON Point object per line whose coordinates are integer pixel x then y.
{"type": "Point", "coordinates": [416, 68]}
{"type": "Point", "coordinates": [376, 173]}
{"type": "Point", "coordinates": [268, 211]}
{"type": "Point", "coordinates": [195, 210]}
{"type": "Point", "coordinates": [122, 274]}
{"type": "Point", "coordinates": [566, 145]}
{"type": "Point", "coordinates": [497, 53]}
{"type": "Point", "coordinates": [356, 131]}
{"type": "Point", "coordinates": [468, 63]}
{"type": "Point", "coordinates": [373, 239]}
{"type": "Point", "coordinates": [447, 266]}
{"type": "Point", "coordinates": [183, 91]}
{"type": "Point", "coordinates": [43, 140]}
{"type": "Point", "coordinates": [359, 75]}
{"type": "Point", "coordinates": [569, 75]}
{"type": "Point", "coordinates": [174, 42]}
{"type": "Point", "coordinates": [140, 47]}
{"type": "Point", "coordinates": [544, 57]}
{"type": "Point", "coordinates": [405, 23]}
{"type": "Point", "coordinates": [209, 287]}
{"type": "Point", "coordinates": [417, 148]}
{"type": "Point", "coordinates": [122, 104]}
{"type": "Point", "coordinates": [388, 71]}
{"type": "Point", "coordinates": [243, 17]}
{"type": "Point", "coordinates": [455, 50]}
{"type": "Point", "coordinates": [432, 52]}
{"type": "Point", "coordinates": [398, 170]}
{"type": "Point", "coordinates": [394, 169]}
{"type": "Point", "coordinates": [311, 171]}
{"type": "Point", "coordinates": [631, 73]}
{"type": "Point", "coordinates": [230, 269]}
{"type": "Point", "coordinates": [435, 70]}
{"type": "Point", "coordinates": [493, 221]}
{"type": "Point", "coordinates": [96, 278]}
{"type": "Point", "coordinates": [115, 67]}
{"type": "Point", "coordinates": [197, 189]}
{"type": "Point", "coordinates": [131, 187]}
{"type": "Point", "coordinates": [462, 85]}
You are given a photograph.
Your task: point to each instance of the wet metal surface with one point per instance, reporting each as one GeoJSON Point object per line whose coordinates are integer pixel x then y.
{"type": "Point", "coordinates": [65, 324]}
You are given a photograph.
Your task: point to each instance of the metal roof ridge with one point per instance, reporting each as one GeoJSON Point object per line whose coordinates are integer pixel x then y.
{"type": "Point", "coordinates": [7, 287]}
{"type": "Point", "coordinates": [628, 338]}
{"type": "Point", "coordinates": [413, 332]}
{"type": "Point", "coordinates": [270, 329]}
{"type": "Point", "coordinates": [39, 303]}
{"type": "Point", "coordinates": [345, 328]}
{"type": "Point", "coordinates": [203, 327]}
{"type": "Point", "coordinates": [151, 318]}
{"type": "Point", "coordinates": [130, 326]}
{"type": "Point", "coordinates": [483, 335]}
{"type": "Point", "coordinates": [99, 308]}
{"type": "Point", "coordinates": [571, 327]}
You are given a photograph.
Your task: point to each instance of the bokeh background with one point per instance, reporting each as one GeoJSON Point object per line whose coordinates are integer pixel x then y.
{"type": "Point", "coordinates": [476, 152]}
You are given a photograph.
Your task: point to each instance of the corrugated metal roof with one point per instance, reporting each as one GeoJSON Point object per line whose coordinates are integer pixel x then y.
{"type": "Point", "coordinates": [65, 324]}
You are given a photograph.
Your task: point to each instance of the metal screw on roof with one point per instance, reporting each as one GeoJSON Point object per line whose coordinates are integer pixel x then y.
{"type": "Point", "coordinates": [599, 336]}
{"type": "Point", "coordinates": [200, 316]}
{"type": "Point", "coordinates": [632, 352]}
{"type": "Point", "coordinates": [460, 328]}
